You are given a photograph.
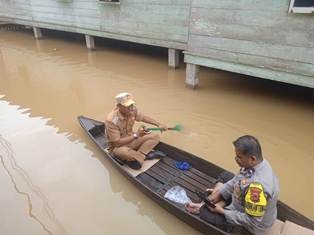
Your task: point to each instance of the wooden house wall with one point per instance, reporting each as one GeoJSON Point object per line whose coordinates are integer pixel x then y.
{"type": "Point", "coordinates": [17, 9]}
{"type": "Point", "coordinates": [155, 22]}
{"type": "Point", "coordinates": [259, 37]}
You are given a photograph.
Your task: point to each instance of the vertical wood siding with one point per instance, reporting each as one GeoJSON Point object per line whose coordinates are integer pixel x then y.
{"type": "Point", "coordinates": [19, 9]}
{"type": "Point", "coordinates": [149, 21]}
{"type": "Point", "coordinates": [256, 33]}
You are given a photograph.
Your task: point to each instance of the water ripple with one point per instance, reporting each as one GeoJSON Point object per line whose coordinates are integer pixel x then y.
{"type": "Point", "coordinates": [18, 174]}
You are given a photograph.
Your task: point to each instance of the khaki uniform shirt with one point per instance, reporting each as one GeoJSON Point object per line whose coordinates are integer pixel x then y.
{"type": "Point", "coordinates": [254, 198]}
{"type": "Point", "coordinates": [118, 126]}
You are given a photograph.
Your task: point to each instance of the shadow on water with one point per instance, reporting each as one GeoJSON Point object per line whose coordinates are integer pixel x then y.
{"type": "Point", "coordinates": [108, 44]}
{"type": "Point", "coordinates": [239, 83]}
{"type": "Point", "coordinates": [114, 45]}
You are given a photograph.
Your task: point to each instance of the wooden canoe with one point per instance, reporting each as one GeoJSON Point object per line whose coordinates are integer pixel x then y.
{"type": "Point", "coordinates": [163, 175]}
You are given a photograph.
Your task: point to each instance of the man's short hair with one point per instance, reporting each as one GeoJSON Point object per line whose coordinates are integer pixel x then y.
{"type": "Point", "coordinates": [249, 146]}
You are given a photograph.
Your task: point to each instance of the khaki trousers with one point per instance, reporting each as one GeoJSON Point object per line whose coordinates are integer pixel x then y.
{"type": "Point", "coordinates": [138, 148]}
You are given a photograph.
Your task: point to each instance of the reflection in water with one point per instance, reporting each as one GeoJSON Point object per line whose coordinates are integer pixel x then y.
{"type": "Point", "coordinates": [38, 204]}
{"type": "Point", "coordinates": [6, 155]}
{"type": "Point", "coordinates": [58, 79]}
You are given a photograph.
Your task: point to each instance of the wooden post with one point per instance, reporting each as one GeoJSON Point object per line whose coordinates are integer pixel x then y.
{"type": "Point", "coordinates": [37, 33]}
{"type": "Point", "coordinates": [90, 42]}
{"type": "Point", "coordinates": [173, 58]}
{"type": "Point", "coordinates": [191, 77]}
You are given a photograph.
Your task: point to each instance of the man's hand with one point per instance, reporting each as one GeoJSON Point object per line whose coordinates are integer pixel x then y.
{"type": "Point", "coordinates": [218, 209]}
{"type": "Point", "coordinates": [193, 208]}
{"type": "Point", "coordinates": [162, 127]}
{"type": "Point", "coordinates": [215, 195]}
{"type": "Point", "coordinates": [141, 131]}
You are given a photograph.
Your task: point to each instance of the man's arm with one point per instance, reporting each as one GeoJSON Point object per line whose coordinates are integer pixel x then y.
{"type": "Point", "coordinates": [255, 203]}
{"type": "Point", "coordinates": [123, 141]}
{"type": "Point", "coordinates": [226, 189]}
{"type": "Point", "coordinates": [152, 121]}
{"type": "Point", "coordinates": [114, 135]}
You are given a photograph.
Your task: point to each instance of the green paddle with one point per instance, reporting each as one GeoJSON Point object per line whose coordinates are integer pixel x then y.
{"type": "Point", "coordinates": [177, 127]}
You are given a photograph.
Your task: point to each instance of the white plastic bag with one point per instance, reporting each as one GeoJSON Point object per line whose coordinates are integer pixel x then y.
{"type": "Point", "coordinates": [177, 194]}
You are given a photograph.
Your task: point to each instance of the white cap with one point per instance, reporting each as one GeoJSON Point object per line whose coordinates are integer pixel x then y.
{"type": "Point", "coordinates": [125, 99]}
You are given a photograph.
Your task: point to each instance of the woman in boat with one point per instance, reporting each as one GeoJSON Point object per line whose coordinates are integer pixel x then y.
{"type": "Point", "coordinates": [129, 146]}
{"type": "Point", "coordinates": [251, 195]}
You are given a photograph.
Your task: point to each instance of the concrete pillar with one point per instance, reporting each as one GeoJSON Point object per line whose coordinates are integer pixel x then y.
{"type": "Point", "coordinates": [173, 58]}
{"type": "Point", "coordinates": [39, 45]}
{"type": "Point", "coordinates": [37, 33]}
{"type": "Point", "coordinates": [191, 76]}
{"type": "Point", "coordinates": [90, 42]}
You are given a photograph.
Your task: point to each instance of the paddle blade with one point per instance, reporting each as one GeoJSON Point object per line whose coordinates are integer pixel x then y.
{"type": "Point", "coordinates": [177, 127]}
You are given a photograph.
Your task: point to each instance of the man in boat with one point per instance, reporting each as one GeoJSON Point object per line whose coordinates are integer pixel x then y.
{"type": "Point", "coordinates": [129, 146]}
{"type": "Point", "coordinates": [248, 199]}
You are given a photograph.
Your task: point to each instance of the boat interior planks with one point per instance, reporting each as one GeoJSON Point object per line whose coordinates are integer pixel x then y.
{"type": "Point", "coordinates": [168, 176]}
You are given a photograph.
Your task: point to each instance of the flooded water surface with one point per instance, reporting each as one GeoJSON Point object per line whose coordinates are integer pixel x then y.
{"type": "Point", "coordinates": [55, 181]}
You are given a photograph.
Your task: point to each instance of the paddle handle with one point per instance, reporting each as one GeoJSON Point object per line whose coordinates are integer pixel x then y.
{"type": "Point", "coordinates": [160, 129]}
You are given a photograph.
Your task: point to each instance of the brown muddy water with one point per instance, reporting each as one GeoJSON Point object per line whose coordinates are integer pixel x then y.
{"type": "Point", "coordinates": [53, 179]}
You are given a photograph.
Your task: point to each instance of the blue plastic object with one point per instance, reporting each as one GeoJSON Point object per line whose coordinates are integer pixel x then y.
{"type": "Point", "coordinates": [183, 165]}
